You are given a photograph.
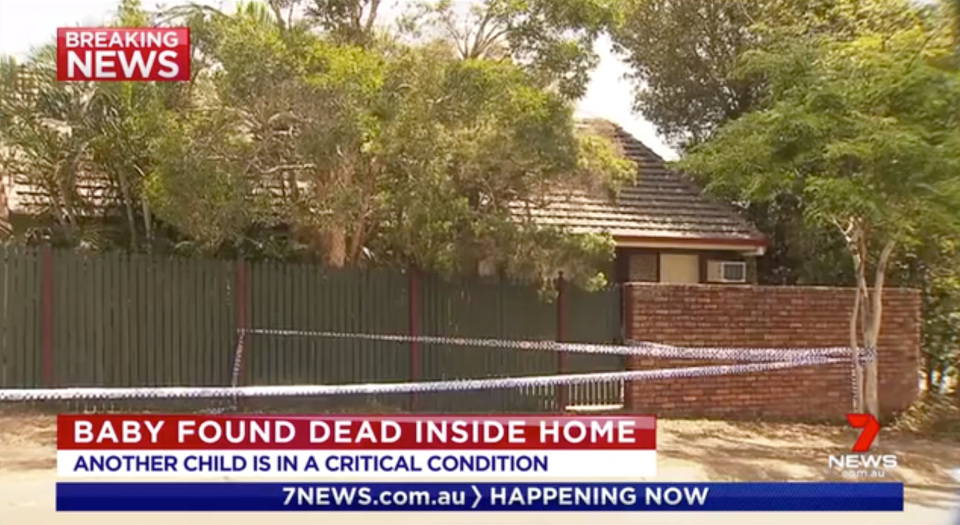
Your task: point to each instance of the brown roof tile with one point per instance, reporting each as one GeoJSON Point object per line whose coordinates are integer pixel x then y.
{"type": "Point", "coordinates": [661, 204]}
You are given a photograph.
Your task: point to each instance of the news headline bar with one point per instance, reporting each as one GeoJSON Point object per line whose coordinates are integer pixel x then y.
{"type": "Point", "coordinates": [355, 432]}
{"type": "Point", "coordinates": [375, 465]}
{"type": "Point", "coordinates": [479, 497]}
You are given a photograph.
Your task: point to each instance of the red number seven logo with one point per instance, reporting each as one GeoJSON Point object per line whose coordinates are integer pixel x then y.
{"type": "Point", "coordinates": [870, 428]}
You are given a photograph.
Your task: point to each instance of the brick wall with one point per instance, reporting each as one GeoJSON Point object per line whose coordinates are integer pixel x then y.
{"type": "Point", "coordinates": [767, 316]}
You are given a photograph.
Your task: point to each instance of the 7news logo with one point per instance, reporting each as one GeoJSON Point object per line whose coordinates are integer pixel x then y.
{"type": "Point", "coordinates": [862, 464]}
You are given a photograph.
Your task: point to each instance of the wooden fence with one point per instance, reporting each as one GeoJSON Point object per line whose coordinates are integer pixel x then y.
{"type": "Point", "coordinates": [72, 319]}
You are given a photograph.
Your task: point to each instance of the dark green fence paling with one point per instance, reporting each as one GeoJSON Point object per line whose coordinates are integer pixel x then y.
{"type": "Point", "coordinates": [133, 320]}
{"type": "Point", "coordinates": [71, 319]}
{"type": "Point", "coordinates": [306, 298]}
{"type": "Point", "coordinates": [486, 308]}
{"type": "Point", "coordinates": [594, 317]}
{"type": "Point", "coordinates": [21, 363]}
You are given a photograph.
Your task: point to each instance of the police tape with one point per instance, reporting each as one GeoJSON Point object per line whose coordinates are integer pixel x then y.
{"type": "Point", "coordinates": [460, 385]}
{"type": "Point", "coordinates": [635, 349]}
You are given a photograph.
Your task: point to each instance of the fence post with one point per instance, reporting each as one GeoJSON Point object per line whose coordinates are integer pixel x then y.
{"type": "Point", "coordinates": [413, 324]}
{"type": "Point", "coordinates": [46, 320]}
{"type": "Point", "coordinates": [626, 328]}
{"type": "Point", "coordinates": [240, 296]}
{"type": "Point", "coordinates": [563, 395]}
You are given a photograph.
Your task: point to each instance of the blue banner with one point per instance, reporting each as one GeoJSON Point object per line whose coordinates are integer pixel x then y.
{"type": "Point", "coordinates": [458, 497]}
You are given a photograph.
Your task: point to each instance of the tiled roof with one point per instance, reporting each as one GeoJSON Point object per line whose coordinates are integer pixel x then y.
{"type": "Point", "coordinates": [660, 205]}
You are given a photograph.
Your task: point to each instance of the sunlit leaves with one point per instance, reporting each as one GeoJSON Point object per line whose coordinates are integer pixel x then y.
{"type": "Point", "coordinates": [403, 154]}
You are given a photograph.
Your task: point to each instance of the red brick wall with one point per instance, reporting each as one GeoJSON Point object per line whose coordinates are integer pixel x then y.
{"type": "Point", "coordinates": [769, 317]}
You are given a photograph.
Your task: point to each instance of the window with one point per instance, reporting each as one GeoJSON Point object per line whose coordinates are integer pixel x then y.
{"type": "Point", "coordinates": [643, 268]}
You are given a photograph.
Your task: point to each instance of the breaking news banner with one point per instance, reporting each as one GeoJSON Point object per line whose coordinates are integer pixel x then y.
{"type": "Point", "coordinates": [366, 447]}
{"type": "Point", "coordinates": [479, 497]}
{"type": "Point", "coordinates": [123, 54]}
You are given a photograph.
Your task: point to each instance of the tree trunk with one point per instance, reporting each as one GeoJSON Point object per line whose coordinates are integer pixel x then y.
{"type": "Point", "coordinates": [869, 385]}
{"type": "Point", "coordinates": [872, 337]}
{"type": "Point", "coordinates": [871, 388]}
{"type": "Point", "coordinates": [334, 235]}
{"type": "Point", "coordinates": [147, 224]}
{"type": "Point", "coordinates": [5, 227]}
{"type": "Point", "coordinates": [356, 241]}
{"type": "Point", "coordinates": [860, 315]}
{"type": "Point", "coordinates": [855, 349]}
{"type": "Point", "coordinates": [128, 208]}
{"type": "Point", "coordinates": [335, 246]}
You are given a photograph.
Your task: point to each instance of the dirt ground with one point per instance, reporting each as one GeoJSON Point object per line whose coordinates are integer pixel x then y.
{"type": "Point", "coordinates": [687, 451]}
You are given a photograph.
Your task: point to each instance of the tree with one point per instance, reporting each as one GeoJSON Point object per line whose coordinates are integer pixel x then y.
{"type": "Point", "coordinates": [866, 130]}
{"type": "Point", "coordinates": [342, 138]}
{"type": "Point", "coordinates": [308, 129]}
{"type": "Point", "coordinates": [955, 6]}
{"type": "Point", "coordinates": [48, 139]}
{"type": "Point", "coordinates": [352, 22]}
{"type": "Point", "coordinates": [475, 143]}
{"type": "Point", "coordinates": [84, 147]}
{"type": "Point", "coordinates": [684, 54]}
{"type": "Point", "coordinates": [932, 267]}
{"type": "Point", "coordinates": [11, 79]}
{"type": "Point", "coordinates": [690, 85]}
{"type": "Point", "coordinates": [553, 40]}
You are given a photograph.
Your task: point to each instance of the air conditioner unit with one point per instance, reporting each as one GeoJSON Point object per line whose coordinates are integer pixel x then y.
{"type": "Point", "coordinates": [726, 271]}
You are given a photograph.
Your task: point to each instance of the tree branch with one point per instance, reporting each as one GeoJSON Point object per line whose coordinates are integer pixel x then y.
{"type": "Point", "coordinates": [371, 17]}
{"type": "Point", "coordinates": [288, 167]}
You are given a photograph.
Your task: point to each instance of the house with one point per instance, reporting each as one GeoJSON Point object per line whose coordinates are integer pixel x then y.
{"type": "Point", "coordinates": [666, 230]}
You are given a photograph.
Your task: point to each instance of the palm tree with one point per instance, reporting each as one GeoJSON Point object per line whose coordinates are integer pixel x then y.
{"type": "Point", "coordinates": [47, 138]}
{"type": "Point", "coordinates": [9, 89]}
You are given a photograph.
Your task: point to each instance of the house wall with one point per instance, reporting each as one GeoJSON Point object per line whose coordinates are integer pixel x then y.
{"type": "Point", "coordinates": [768, 317]}
{"type": "Point", "coordinates": [624, 255]}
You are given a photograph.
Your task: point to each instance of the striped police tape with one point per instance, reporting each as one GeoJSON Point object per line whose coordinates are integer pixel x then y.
{"type": "Point", "coordinates": [636, 349]}
{"type": "Point", "coordinates": [60, 394]}
{"type": "Point", "coordinates": [759, 359]}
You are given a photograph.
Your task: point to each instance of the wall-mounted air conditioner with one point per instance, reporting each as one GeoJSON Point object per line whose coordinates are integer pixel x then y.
{"type": "Point", "coordinates": [726, 271]}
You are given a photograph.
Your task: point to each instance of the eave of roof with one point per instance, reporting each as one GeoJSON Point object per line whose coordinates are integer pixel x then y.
{"type": "Point", "coordinates": [660, 208]}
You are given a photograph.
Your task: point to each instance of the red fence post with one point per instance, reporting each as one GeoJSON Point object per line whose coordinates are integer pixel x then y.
{"type": "Point", "coordinates": [46, 320]}
{"type": "Point", "coordinates": [413, 323]}
{"type": "Point", "coordinates": [562, 390]}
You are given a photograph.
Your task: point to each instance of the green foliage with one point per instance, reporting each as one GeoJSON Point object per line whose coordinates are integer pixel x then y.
{"type": "Point", "coordinates": [953, 7]}
{"type": "Point", "coordinates": [932, 267]}
{"type": "Point", "coordinates": [685, 55]}
{"type": "Point", "coordinates": [200, 185]}
{"type": "Point", "coordinates": [682, 55]}
{"type": "Point", "coordinates": [866, 129]}
{"type": "Point", "coordinates": [552, 39]}
{"type": "Point", "coordinates": [314, 131]}
{"type": "Point", "coordinates": [857, 136]}
{"type": "Point", "coordinates": [721, 69]}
